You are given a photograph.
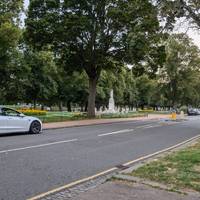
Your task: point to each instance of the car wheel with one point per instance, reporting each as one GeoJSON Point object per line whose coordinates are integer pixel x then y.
{"type": "Point", "coordinates": [35, 127]}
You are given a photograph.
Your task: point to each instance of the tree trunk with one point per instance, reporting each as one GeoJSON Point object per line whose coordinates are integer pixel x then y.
{"type": "Point", "coordinates": [86, 106]}
{"type": "Point", "coordinates": [60, 106]}
{"type": "Point", "coordinates": [69, 108]}
{"type": "Point", "coordinates": [42, 107]}
{"type": "Point", "coordinates": [34, 103]}
{"type": "Point", "coordinates": [82, 108]}
{"type": "Point", "coordinates": [92, 97]}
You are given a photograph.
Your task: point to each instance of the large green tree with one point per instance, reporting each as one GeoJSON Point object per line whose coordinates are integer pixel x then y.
{"type": "Point", "coordinates": [93, 35]}
{"type": "Point", "coordinates": [181, 70]}
{"type": "Point", "coordinates": [42, 76]}
{"type": "Point", "coordinates": [146, 88]}
{"type": "Point", "coordinates": [9, 37]}
{"type": "Point", "coordinates": [72, 89]}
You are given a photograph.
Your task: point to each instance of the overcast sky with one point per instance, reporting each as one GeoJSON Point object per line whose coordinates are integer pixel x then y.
{"type": "Point", "coordinates": [192, 33]}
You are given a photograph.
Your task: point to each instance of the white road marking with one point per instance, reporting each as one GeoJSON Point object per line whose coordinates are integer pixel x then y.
{"type": "Point", "coordinates": [144, 126]}
{"type": "Point", "coordinates": [128, 122]}
{"type": "Point", "coordinates": [116, 132]}
{"type": "Point", "coordinates": [38, 146]}
{"type": "Point", "coordinates": [153, 126]}
{"type": "Point", "coordinates": [130, 130]}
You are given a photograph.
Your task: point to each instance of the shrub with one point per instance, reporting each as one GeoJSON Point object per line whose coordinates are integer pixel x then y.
{"type": "Point", "coordinates": [184, 109]}
{"type": "Point", "coordinates": [146, 110]}
{"type": "Point", "coordinates": [32, 112]}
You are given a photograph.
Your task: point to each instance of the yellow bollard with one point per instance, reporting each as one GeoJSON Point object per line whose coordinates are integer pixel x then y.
{"type": "Point", "coordinates": [173, 116]}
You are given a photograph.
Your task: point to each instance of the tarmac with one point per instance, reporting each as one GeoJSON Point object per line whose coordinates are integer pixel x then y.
{"type": "Point", "coordinates": [122, 189]}
{"type": "Point", "coordinates": [88, 122]}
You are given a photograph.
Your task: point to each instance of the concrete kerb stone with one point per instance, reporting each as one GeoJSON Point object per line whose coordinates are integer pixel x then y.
{"type": "Point", "coordinates": [160, 155]}
{"type": "Point", "coordinates": [153, 184]}
{"type": "Point", "coordinates": [93, 124]}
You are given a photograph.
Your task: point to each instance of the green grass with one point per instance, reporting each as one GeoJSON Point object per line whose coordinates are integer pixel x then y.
{"type": "Point", "coordinates": [180, 170]}
{"type": "Point", "coordinates": [69, 116]}
{"type": "Point", "coordinates": [156, 112]}
{"type": "Point", "coordinates": [61, 117]}
{"type": "Point", "coordinates": [122, 115]}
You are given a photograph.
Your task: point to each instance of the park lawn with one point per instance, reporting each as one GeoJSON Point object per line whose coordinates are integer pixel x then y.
{"type": "Point", "coordinates": [69, 116]}
{"type": "Point", "coordinates": [121, 115]}
{"type": "Point", "coordinates": [179, 170]}
{"type": "Point", "coordinates": [61, 117]}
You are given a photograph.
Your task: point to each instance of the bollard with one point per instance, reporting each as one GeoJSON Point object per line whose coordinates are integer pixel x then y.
{"type": "Point", "coordinates": [182, 115]}
{"type": "Point", "coordinates": [173, 116]}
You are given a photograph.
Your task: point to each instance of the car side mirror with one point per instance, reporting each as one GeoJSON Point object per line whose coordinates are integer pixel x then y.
{"type": "Point", "coordinates": [21, 115]}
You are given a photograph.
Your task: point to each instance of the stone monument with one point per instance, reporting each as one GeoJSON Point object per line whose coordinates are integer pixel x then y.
{"type": "Point", "coordinates": [111, 106]}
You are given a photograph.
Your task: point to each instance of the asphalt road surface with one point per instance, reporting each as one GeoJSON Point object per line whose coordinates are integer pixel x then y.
{"type": "Point", "coordinates": [33, 164]}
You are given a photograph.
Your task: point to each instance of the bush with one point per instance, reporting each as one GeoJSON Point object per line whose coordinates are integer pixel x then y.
{"type": "Point", "coordinates": [32, 112]}
{"type": "Point", "coordinates": [184, 109]}
{"type": "Point", "coordinates": [146, 110]}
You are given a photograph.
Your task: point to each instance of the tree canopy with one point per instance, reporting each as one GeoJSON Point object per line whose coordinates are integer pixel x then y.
{"type": "Point", "coordinates": [93, 35]}
{"type": "Point", "coordinates": [72, 53]}
{"type": "Point", "coordinates": [172, 10]}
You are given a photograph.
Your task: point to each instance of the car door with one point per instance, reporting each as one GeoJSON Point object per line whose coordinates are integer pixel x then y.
{"type": "Point", "coordinates": [3, 124]}
{"type": "Point", "coordinates": [15, 123]}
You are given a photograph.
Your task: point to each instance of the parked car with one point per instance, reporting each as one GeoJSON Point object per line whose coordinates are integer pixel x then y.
{"type": "Point", "coordinates": [193, 111]}
{"type": "Point", "coordinates": [12, 121]}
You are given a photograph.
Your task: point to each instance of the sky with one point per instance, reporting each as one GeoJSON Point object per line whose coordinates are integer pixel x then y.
{"type": "Point", "coordinates": [26, 2]}
{"type": "Point", "coordinates": [195, 35]}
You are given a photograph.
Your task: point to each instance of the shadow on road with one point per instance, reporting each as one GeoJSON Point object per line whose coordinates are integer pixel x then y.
{"type": "Point", "coordinates": [14, 134]}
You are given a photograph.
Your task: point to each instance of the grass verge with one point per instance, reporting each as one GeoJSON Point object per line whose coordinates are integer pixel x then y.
{"type": "Point", "coordinates": [179, 170]}
{"type": "Point", "coordinates": [67, 116]}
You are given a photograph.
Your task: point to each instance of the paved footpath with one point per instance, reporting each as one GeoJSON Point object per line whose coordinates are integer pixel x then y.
{"type": "Point", "coordinates": [118, 190]}
{"type": "Point", "coordinates": [87, 122]}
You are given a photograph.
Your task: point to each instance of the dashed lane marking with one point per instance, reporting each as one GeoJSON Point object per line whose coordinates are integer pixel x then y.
{"type": "Point", "coordinates": [116, 132]}
{"type": "Point", "coordinates": [38, 146]}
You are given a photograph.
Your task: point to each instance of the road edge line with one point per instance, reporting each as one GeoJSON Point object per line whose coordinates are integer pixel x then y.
{"type": "Point", "coordinates": [161, 151]}
{"type": "Point", "coordinates": [72, 184]}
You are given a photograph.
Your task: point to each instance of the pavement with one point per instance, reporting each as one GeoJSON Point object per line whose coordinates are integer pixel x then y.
{"type": "Point", "coordinates": [35, 164]}
{"type": "Point", "coordinates": [121, 190]}
{"type": "Point", "coordinates": [87, 122]}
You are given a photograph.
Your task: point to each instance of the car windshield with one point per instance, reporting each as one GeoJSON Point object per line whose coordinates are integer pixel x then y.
{"type": "Point", "coordinates": [9, 112]}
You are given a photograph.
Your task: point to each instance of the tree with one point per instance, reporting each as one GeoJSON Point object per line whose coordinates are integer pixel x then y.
{"type": "Point", "coordinates": [9, 37]}
{"type": "Point", "coordinates": [111, 80]}
{"type": "Point", "coordinates": [72, 88]}
{"type": "Point", "coordinates": [172, 10]}
{"type": "Point", "coordinates": [146, 88]}
{"type": "Point", "coordinates": [93, 35]}
{"type": "Point", "coordinates": [43, 73]}
{"type": "Point", "coordinates": [15, 78]}
{"type": "Point", "coordinates": [180, 70]}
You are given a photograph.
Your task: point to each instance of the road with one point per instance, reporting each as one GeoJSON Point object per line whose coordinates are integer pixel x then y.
{"type": "Point", "coordinates": [33, 164]}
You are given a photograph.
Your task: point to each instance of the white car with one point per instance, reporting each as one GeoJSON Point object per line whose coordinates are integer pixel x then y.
{"type": "Point", "coordinates": [12, 121]}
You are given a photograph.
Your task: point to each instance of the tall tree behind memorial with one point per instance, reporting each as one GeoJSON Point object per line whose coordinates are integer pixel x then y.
{"type": "Point", "coordinates": [93, 35]}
